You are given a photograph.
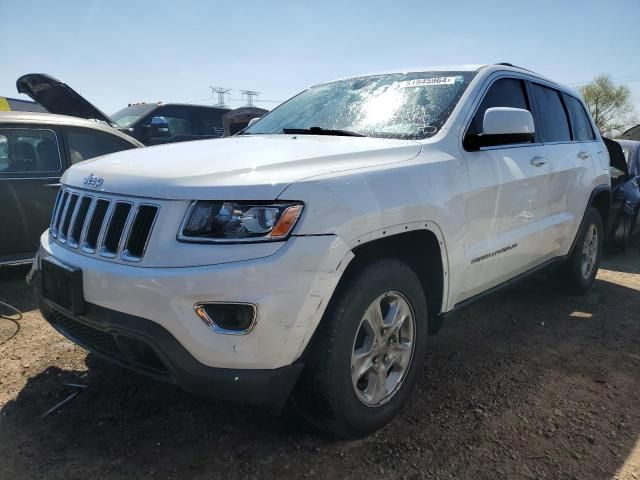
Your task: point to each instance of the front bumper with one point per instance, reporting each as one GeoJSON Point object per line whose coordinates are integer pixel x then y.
{"type": "Point", "coordinates": [290, 288]}
{"type": "Point", "coordinates": [148, 348]}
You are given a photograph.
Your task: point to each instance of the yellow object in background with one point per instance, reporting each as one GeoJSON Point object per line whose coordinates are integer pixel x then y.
{"type": "Point", "coordinates": [4, 105]}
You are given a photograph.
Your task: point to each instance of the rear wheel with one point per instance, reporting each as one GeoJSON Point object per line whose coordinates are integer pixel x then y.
{"type": "Point", "coordinates": [581, 268]}
{"type": "Point", "coordinates": [368, 351]}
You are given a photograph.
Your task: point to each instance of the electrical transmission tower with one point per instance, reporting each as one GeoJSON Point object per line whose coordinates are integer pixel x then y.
{"type": "Point", "coordinates": [221, 92]}
{"type": "Point", "coordinates": [251, 95]}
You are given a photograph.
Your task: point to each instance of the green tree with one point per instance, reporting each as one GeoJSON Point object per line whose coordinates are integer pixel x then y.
{"type": "Point", "coordinates": [609, 105]}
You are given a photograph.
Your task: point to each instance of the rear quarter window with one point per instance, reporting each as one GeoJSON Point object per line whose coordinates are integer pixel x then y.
{"type": "Point", "coordinates": [86, 144]}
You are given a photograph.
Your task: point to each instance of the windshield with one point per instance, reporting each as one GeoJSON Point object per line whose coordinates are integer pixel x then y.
{"type": "Point", "coordinates": [129, 115]}
{"type": "Point", "coordinates": [401, 105]}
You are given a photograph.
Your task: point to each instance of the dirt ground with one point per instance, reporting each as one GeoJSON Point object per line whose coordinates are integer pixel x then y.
{"type": "Point", "coordinates": [525, 384]}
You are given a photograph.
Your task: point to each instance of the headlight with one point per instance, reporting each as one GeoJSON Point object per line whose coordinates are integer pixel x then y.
{"type": "Point", "coordinates": [209, 221]}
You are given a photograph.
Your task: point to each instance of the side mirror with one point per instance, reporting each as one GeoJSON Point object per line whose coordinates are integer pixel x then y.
{"type": "Point", "coordinates": [252, 121]}
{"type": "Point", "coordinates": [159, 127]}
{"type": "Point", "coordinates": [503, 126]}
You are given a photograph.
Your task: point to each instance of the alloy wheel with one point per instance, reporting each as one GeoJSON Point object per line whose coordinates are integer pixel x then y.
{"type": "Point", "coordinates": [383, 349]}
{"type": "Point", "coordinates": [589, 251]}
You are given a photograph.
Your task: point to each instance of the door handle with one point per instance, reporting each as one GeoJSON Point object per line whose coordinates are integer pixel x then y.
{"type": "Point", "coordinates": [53, 185]}
{"type": "Point", "coordinates": [584, 155]}
{"type": "Point", "coordinates": [538, 161]}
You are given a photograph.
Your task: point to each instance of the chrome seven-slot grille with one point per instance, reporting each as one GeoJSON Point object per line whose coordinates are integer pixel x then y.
{"type": "Point", "coordinates": [97, 224]}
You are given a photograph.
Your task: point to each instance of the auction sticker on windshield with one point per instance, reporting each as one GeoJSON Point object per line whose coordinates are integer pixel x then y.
{"type": "Point", "coordinates": [422, 82]}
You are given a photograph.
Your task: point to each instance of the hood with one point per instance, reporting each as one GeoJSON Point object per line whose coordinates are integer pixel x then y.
{"type": "Point", "coordinates": [58, 97]}
{"type": "Point", "coordinates": [632, 134]}
{"type": "Point", "coordinates": [249, 167]}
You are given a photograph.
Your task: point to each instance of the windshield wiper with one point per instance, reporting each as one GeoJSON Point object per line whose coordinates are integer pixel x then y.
{"type": "Point", "coordinates": [322, 131]}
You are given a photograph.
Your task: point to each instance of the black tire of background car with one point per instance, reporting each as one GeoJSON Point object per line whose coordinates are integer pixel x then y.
{"type": "Point", "coordinates": [571, 272]}
{"type": "Point", "coordinates": [622, 232]}
{"type": "Point", "coordinates": [324, 395]}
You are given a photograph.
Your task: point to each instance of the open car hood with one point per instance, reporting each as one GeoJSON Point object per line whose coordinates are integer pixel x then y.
{"type": "Point", "coordinates": [632, 134]}
{"type": "Point", "coordinates": [59, 98]}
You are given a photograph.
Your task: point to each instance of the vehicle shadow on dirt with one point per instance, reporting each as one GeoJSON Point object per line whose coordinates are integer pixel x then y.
{"type": "Point", "coordinates": [525, 384]}
{"type": "Point", "coordinates": [14, 300]}
{"type": "Point", "coordinates": [14, 291]}
{"type": "Point", "coordinates": [620, 262]}
{"type": "Point", "coordinates": [627, 261]}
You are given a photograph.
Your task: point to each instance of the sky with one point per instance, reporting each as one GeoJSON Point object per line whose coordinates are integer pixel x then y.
{"type": "Point", "coordinates": [115, 52]}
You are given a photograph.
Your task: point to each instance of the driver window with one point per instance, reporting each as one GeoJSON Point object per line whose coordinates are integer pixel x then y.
{"type": "Point", "coordinates": [505, 92]}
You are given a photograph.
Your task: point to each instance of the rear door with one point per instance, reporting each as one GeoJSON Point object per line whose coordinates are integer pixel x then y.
{"type": "Point", "coordinates": [555, 133]}
{"type": "Point", "coordinates": [209, 122]}
{"type": "Point", "coordinates": [507, 204]}
{"type": "Point", "coordinates": [31, 164]}
{"type": "Point", "coordinates": [588, 155]}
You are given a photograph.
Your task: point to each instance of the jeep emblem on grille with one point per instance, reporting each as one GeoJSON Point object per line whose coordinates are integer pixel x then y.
{"type": "Point", "coordinates": [93, 181]}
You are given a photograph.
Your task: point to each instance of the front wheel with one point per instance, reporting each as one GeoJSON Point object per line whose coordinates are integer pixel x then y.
{"type": "Point", "coordinates": [368, 351]}
{"type": "Point", "coordinates": [581, 267]}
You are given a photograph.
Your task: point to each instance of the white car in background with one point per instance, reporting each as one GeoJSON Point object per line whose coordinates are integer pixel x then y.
{"type": "Point", "coordinates": [312, 255]}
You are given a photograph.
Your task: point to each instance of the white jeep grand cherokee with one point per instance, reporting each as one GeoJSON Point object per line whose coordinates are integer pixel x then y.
{"type": "Point", "coordinates": [311, 256]}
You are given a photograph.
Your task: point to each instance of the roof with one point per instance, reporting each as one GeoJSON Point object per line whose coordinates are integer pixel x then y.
{"type": "Point", "coordinates": [174, 104]}
{"type": "Point", "coordinates": [52, 119]}
{"type": "Point", "coordinates": [440, 68]}
{"type": "Point", "coordinates": [492, 67]}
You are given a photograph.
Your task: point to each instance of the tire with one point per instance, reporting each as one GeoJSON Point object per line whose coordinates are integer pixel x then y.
{"type": "Point", "coordinates": [634, 223]}
{"type": "Point", "coordinates": [346, 404]}
{"type": "Point", "coordinates": [581, 268]}
{"type": "Point", "coordinates": [623, 232]}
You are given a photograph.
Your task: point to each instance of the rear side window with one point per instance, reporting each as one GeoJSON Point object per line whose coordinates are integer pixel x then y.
{"type": "Point", "coordinates": [505, 92]}
{"type": "Point", "coordinates": [85, 144]}
{"type": "Point", "coordinates": [554, 126]}
{"type": "Point", "coordinates": [29, 151]}
{"type": "Point", "coordinates": [209, 122]}
{"type": "Point", "coordinates": [580, 123]}
{"type": "Point", "coordinates": [4, 152]}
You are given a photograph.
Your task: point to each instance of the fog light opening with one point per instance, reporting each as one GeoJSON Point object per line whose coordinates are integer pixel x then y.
{"type": "Point", "coordinates": [227, 318]}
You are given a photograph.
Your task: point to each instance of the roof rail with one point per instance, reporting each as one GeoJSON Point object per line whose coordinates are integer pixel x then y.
{"type": "Point", "coordinates": [506, 64]}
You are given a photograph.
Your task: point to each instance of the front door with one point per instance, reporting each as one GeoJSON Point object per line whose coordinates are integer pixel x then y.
{"type": "Point", "coordinates": [181, 125]}
{"type": "Point", "coordinates": [507, 208]}
{"type": "Point", "coordinates": [30, 168]}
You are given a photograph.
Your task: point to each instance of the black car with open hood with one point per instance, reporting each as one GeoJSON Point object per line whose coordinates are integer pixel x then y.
{"type": "Point", "coordinates": [35, 150]}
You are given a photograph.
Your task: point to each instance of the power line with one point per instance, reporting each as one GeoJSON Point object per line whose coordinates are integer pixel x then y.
{"type": "Point", "coordinates": [222, 101]}
{"type": "Point", "coordinates": [221, 92]}
{"type": "Point", "coordinates": [251, 96]}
